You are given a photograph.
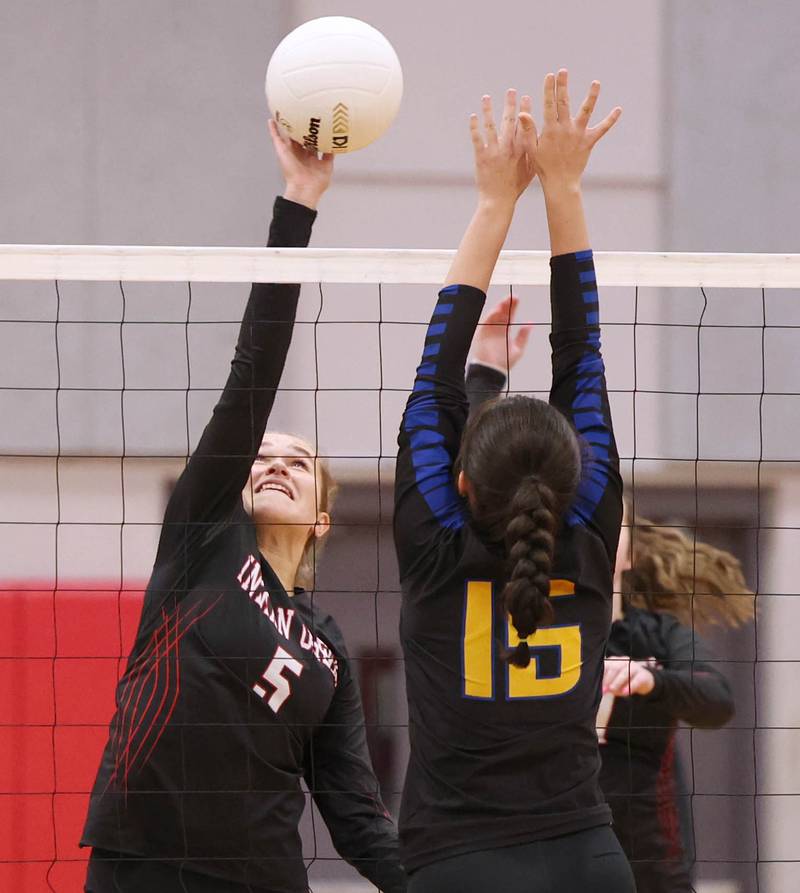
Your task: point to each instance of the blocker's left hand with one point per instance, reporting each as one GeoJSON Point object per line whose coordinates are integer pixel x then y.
{"type": "Point", "coordinates": [502, 169]}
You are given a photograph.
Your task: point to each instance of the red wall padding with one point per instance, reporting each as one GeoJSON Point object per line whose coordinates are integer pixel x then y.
{"type": "Point", "coordinates": [61, 653]}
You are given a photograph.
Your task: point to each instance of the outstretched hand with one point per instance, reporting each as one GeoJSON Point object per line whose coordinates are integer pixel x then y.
{"type": "Point", "coordinates": [493, 344]}
{"type": "Point", "coordinates": [561, 150]}
{"type": "Point", "coordinates": [307, 175]}
{"type": "Point", "coordinates": [502, 168]}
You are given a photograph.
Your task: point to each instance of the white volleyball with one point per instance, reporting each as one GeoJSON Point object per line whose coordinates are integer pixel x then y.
{"type": "Point", "coordinates": [334, 84]}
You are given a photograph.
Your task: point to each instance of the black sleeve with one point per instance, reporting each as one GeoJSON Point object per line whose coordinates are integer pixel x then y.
{"type": "Point", "coordinates": [483, 383]}
{"type": "Point", "coordinates": [427, 504]}
{"type": "Point", "coordinates": [343, 783]}
{"type": "Point", "coordinates": [688, 685]}
{"type": "Point", "coordinates": [579, 391]}
{"type": "Point", "coordinates": [212, 482]}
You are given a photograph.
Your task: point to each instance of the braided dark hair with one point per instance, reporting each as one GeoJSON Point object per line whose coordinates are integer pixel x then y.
{"type": "Point", "coordinates": [522, 461]}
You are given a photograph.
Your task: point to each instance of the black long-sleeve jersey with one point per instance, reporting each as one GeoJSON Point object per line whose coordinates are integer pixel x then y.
{"type": "Point", "coordinates": [236, 691]}
{"type": "Point", "coordinates": [637, 774]}
{"type": "Point", "coordinates": [637, 761]}
{"type": "Point", "coordinates": [502, 755]}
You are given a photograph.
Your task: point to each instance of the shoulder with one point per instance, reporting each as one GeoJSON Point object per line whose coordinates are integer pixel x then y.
{"type": "Point", "coordinates": [457, 556]}
{"type": "Point", "coordinates": [668, 638]}
{"type": "Point", "coordinates": [324, 624]}
{"type": "Point", "coordinates": [581, 555]}
{"type": "Point", "coordinates": [642, 633]}
{"type": "Point", "coordinates": [236, 523]}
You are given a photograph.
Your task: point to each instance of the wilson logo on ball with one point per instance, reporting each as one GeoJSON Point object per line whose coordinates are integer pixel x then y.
{"type": "Point", "coordinates": [311, 139]}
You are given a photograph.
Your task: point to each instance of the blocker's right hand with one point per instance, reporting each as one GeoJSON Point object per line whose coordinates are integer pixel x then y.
{"type": "Point", "coordinates": [502, 168]}
{"type": "Point", "coordinates": [307, 175]}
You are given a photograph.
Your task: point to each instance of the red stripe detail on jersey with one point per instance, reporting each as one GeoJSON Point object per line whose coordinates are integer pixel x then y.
{"type": "Point", "coordinates": [153, 690]}
{"type": "Point", "coordinates": [174, 697]}
{"type": "Point", "coordinates": [666, 806]}
{"type": "Point", "coordinates": [160, 639]}
{"type": "Point", "coordinates": [141, 684]}
{"type": "Point", "coordinates": [173, 650]}
{"type": "Point", "coordinates": [124, 717]}
{"type": "Point", "coordinates": [173, 620]}
{"type": "Point", "coordinates": [135, 679]}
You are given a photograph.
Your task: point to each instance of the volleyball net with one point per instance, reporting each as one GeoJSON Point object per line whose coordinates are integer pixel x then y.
{"type": "Point", "coordinates": [111, 359]}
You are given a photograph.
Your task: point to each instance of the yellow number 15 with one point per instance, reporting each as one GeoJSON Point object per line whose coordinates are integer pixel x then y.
{"type": "Point", "coordinates": [478, 657]}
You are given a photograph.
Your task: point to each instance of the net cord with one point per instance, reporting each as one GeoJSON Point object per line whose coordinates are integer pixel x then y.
{"type": "Point", "coordinates": [386, 266]}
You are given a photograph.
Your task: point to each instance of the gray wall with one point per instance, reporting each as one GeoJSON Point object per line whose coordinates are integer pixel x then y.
{"type": "Point", "coordinates": [144, 123]}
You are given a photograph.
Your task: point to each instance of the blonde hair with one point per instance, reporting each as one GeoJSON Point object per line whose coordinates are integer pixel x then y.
{"type": "Point", "coordinates": [700, 585]}
{"type": "Point", "coordinates": [327, 489]}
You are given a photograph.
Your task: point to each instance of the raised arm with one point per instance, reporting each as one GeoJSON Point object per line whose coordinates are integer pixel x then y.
{"type": "Point", "coordinates": [212, 482]}
{"type": "Point", "coordinates": [561, 152]}
{"type": "Point", "coordinates": [426, 501]}
{"type": "Point", "coordinates": [494, 352]}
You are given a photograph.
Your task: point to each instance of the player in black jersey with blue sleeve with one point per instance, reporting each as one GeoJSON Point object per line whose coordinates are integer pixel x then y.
{"type": "Point", "coordinates": [506, 530]}
{"type": "Point", "coordinates": [239, 687]}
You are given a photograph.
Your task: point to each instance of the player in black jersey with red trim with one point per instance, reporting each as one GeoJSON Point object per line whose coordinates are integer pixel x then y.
{"type": "Point", "coordinates": [239, 687]}
{"type": "Point", "coordinates": [659, 672]}
{"type": "Point", "coordinates": [506, 530]}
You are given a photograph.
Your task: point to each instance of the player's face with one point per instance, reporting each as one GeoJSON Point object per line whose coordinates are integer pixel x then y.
{"type": "Point", "coordinates": [284, 487]}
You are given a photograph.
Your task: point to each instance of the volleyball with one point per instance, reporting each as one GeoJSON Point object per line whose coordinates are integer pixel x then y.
{"type": "Point", "coordinates": [334, 84]}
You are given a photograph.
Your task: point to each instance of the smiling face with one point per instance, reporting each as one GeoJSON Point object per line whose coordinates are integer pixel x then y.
{"type": "Point", "coordinates": [285, 485]}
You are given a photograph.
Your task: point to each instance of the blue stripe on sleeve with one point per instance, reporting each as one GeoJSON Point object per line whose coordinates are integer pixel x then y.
{"type": "Point", "coordinates": [419, 416]}
{"type": "Point", "coordinates": [591, 363]}
{"type": "Point", "coordinates": [424, 437]}
{"type": "Point", "coordinates": [422, 385]}
{"type": "Point", "coordinates": [431, 481]}
{"type": "Point", "coordinates": [586, 419]}
{"type": "Point", "coordinates": [432, 457]}
{"type": "Point", "coordinates": [599, 438]}
{"type": "Point", "coordinates": [587, 405]}
{"type": "Point", "coordinates": [429, 457]}
{"type": "Point", "coordinates": [590, 383]}
{"type": "Point", "coordinates": [585, 400]}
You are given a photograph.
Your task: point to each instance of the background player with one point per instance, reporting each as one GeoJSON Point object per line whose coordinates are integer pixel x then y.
{"type": "Point", "coordinates": [238, 686]}
{"type": "Point", "coordinates": [502, 787]}
{"type": "Point", "coordinates": [659, 673]}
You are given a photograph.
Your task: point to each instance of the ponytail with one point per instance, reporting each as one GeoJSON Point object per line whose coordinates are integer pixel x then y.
{"type": "Point", "coordinates": [530, 542]}
{"type": "Point", "coordinates": [522, 460]}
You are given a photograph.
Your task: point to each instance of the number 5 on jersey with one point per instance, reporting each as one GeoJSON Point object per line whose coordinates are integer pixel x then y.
{"type": "Point", "coordinates": [282, 663]}
{"type": "Point", "coordinates": [478, 649]}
